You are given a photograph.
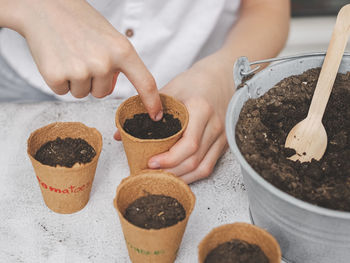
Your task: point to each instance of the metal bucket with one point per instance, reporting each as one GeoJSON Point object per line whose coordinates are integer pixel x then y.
{"type": "Point", "coordinates": [305, 232]}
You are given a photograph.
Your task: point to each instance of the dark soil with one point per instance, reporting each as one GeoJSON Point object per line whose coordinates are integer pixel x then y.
{"type": "Point", "coordinates": [66, 152]}
{"type": "Point", "coordinates": [265, 122]}
{"type": "Point", "coordinates": [236, 251]}
{"type": "Point", "coordinates": [244, 80]}
{"type": "Point", "coordinates": [155, 211]}
{"type": "Point", "coordinates": [143, 127]}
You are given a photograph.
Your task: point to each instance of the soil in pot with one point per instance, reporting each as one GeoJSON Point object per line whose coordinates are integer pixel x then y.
{"type": "Point", "coordinates": [236, 251]}
{"type": "Point", "coordinates": [155, 211]}
{"type": "Point", "coordinates": [65, 152]}
{"type": "Point", "coordinates": [143, 127]}
{"type": "Point", "coordinates": [265, 122]}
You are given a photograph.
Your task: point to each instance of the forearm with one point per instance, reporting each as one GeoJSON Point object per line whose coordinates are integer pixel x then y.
{"type": "Point", "coordinates": [260, 32]}
{"type": "Point", "coordinates": [26, 15]}
{"type": "Point", "coordinates": [11, 15]}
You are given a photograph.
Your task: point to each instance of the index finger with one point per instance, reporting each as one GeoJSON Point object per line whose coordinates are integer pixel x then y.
{"type": "Point", "coordinates": [136, 71]}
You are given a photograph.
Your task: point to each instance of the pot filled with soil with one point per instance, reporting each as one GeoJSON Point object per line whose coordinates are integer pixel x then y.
{"type": "Point", "coordinates": [64, 156]}
{"type": "Point", "coordinates": [153, 209]}
{"type": "Point", "coordinates": [142, 137]}
{"type": "Point", "coordinates": [239, 243]}
{"type": "Point", "coordinates": [305, 206]}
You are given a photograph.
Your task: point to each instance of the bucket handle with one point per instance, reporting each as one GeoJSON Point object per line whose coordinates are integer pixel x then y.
{"type": "Point", "coordinates": [242, 68]}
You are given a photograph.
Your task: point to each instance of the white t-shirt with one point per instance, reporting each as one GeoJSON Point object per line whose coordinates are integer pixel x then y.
{"type": "Point", "coordinates": [168, 35]}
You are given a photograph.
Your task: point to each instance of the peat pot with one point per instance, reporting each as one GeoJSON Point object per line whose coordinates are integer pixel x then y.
{"type": "Point", "coordinates": [305, 232]}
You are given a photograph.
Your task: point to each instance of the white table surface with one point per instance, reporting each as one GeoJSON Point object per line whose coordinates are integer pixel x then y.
{"type": "Point", "coordinates": [30, 232]}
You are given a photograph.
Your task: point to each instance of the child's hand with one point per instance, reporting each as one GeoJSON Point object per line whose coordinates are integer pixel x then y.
{"type": "Point", "coordinates": [205, 89]}
{"type": "Point", "coordinates": [76, 49]}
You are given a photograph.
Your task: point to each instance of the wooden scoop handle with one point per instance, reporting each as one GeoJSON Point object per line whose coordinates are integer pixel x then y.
{"type": "Point", "coordinates": [331, 64]}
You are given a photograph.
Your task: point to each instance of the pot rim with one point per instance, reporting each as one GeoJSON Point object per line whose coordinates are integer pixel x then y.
{"type": "Point", "coordinates": [119, 125]}
{"type": "Point", "coordinates": [230, 132]}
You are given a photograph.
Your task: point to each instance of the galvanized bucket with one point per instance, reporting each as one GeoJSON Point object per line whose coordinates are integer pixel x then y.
{"type": "Point", "coordinates": [305, 232]}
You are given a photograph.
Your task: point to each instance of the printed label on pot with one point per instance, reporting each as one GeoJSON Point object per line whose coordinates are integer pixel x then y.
{"type": "Point", "coordinates": [69, 190]}
{"type": "Point", "coordinates": [145, 252]}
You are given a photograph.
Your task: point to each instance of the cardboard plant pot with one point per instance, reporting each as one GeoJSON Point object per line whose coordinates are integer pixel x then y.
{"type": "Point", "coordinates": [139, 151]}
{"type": "Point", "coordinates": [153, 245]}
{"type": "Point", "coordinates": [65, 190]}
{"type": "Point", "coordinates": [242, 231]}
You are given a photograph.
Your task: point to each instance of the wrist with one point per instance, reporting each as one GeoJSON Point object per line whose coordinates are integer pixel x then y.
{"type": "Point", "coordinates": [218, 70]}
{"type": "Point", "coordinates": [222, 63]}
{"type": "Point", "coordinates": [25, 15]}
{"type": "Point", "coordinates": [227, 57]}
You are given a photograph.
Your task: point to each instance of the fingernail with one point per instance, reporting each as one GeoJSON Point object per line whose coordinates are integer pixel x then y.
{"type": "Point", "coordinates": [115, 136]}
{"type": "Point", "coordinates": [159, 116]}
{"type": "Point", "coordinates": [154, 165]}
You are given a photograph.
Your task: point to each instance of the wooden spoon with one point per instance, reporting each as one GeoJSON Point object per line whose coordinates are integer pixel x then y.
{"type": "Point", "coordinates": [309, 137]}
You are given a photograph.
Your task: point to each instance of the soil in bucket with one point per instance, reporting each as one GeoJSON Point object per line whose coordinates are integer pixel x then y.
{"type": "Point", "coordinates": [236, 251]}
{"type": "Point", "coordinates": [65, 152]}
{"type": "Point", "coordinates": [265, 122]}
{"type": "Point", "coordinates": [143, 127]}
{"type": "Point", "coordinates": [155, 212]}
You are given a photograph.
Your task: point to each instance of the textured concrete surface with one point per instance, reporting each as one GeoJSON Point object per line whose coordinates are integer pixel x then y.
{"type": "Point", "coordinates": [30, 232]}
